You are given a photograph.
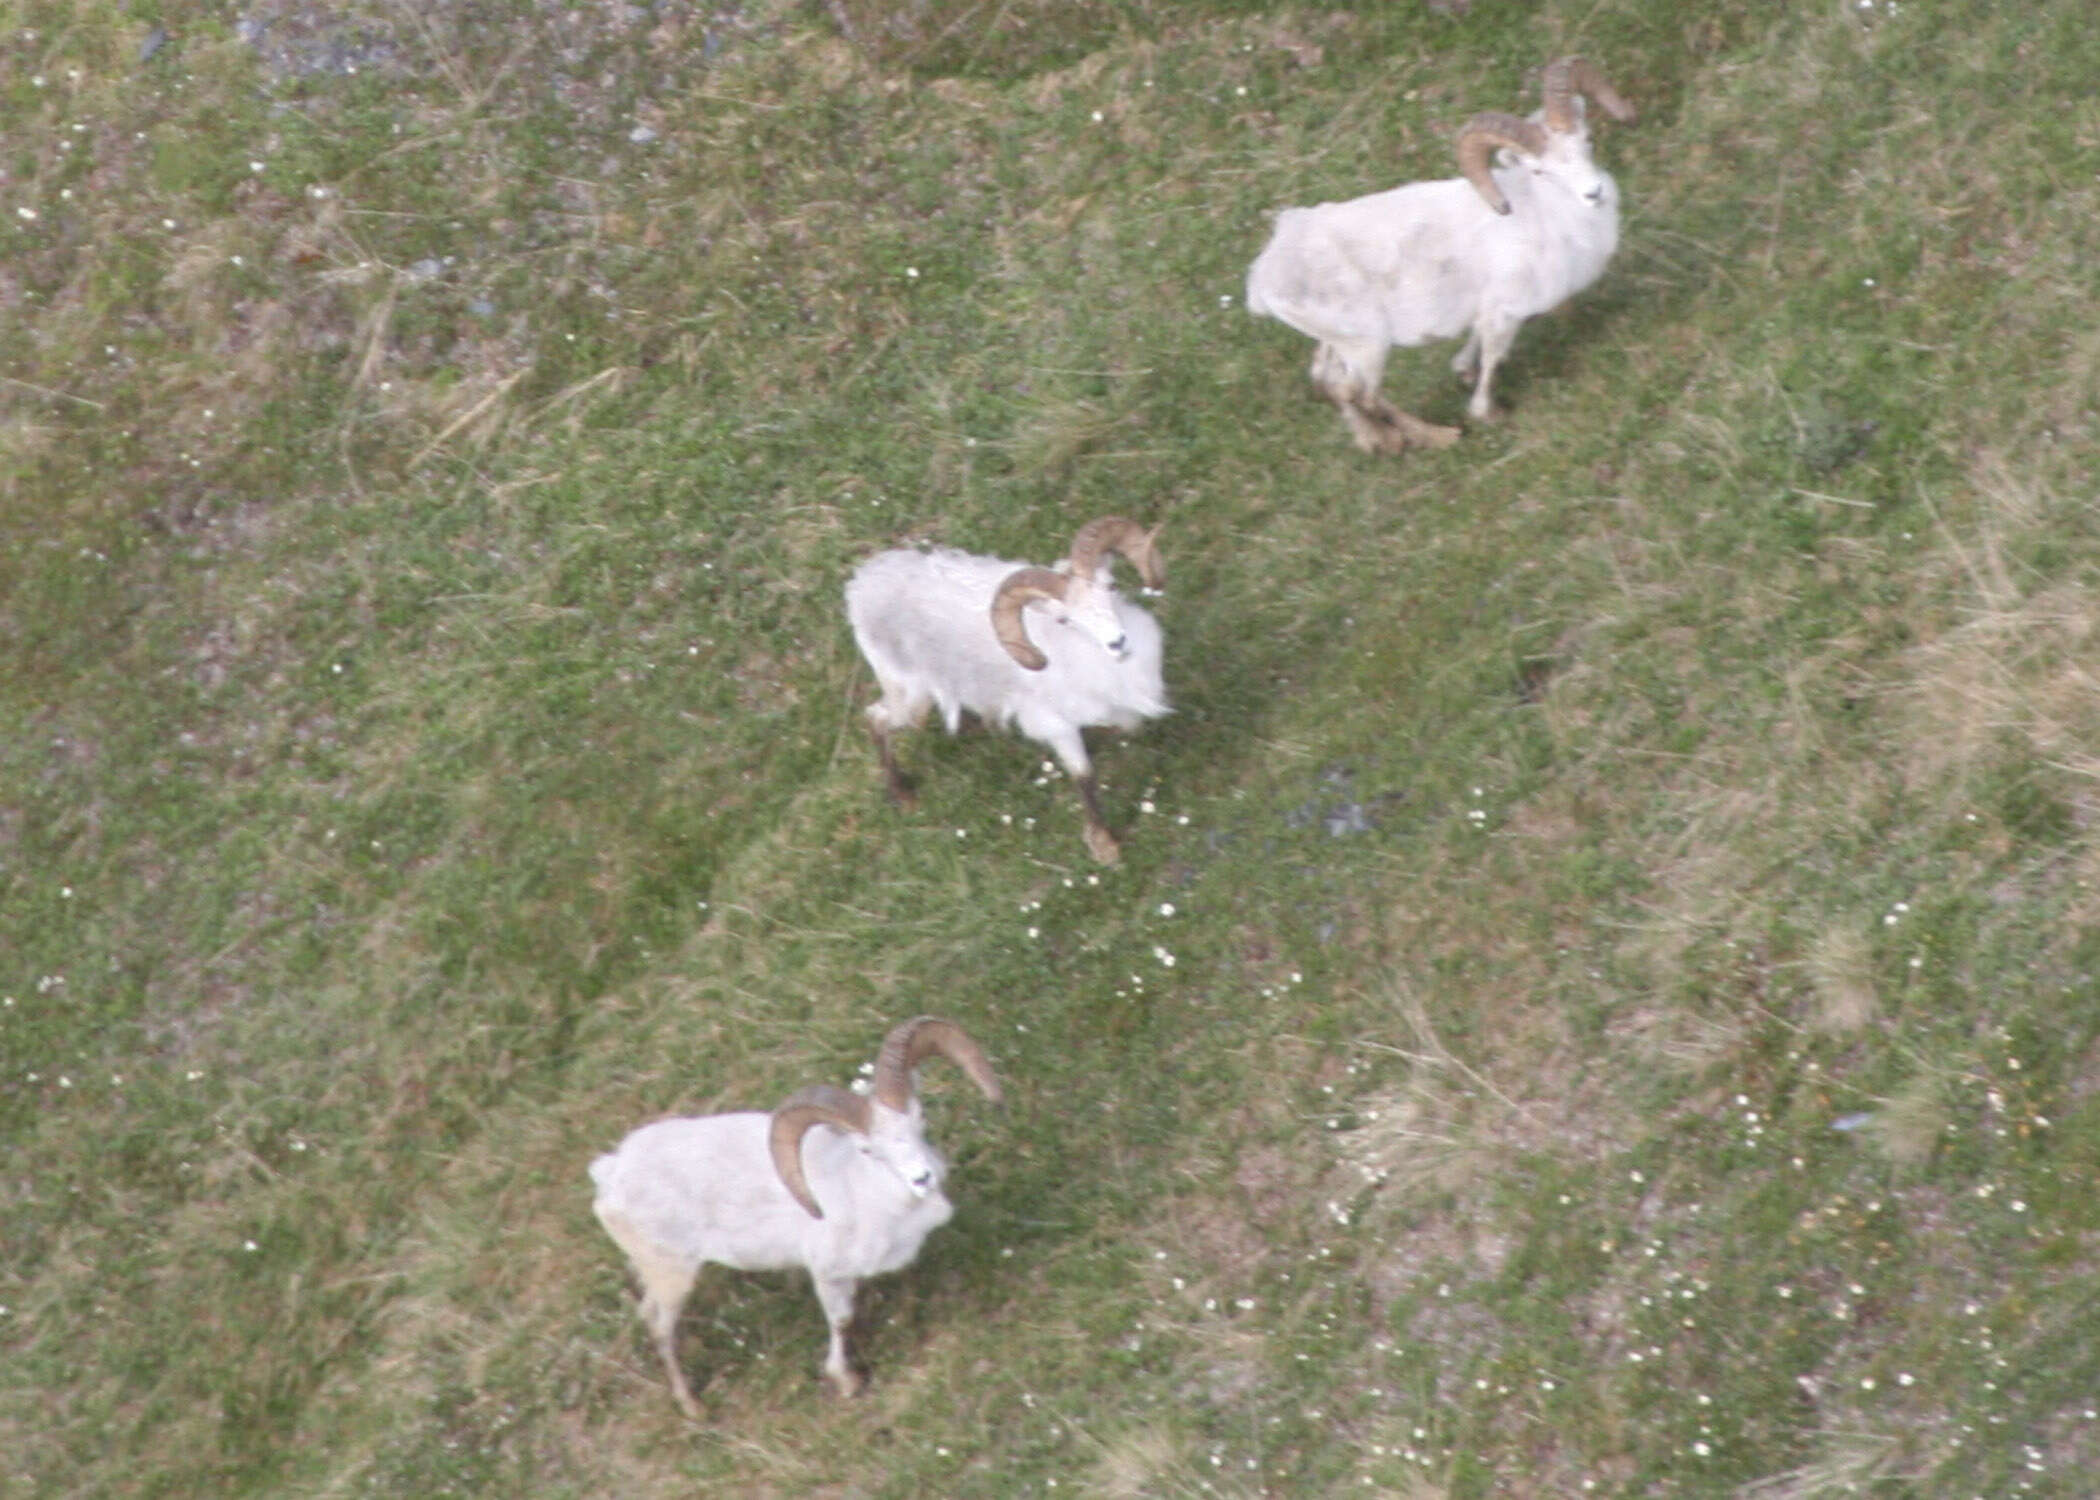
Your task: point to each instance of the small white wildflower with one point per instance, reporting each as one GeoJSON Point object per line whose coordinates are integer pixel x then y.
{"type": "Point", "coordinates": [25, 213]}
{"type": "Point", "coordinates": [1166, 908]}
{"type": "Point", "coordinates": [1097, 117]}
{"type": "Point", "coordinates": [250, 1246]}
{"type": "Point", "coordinates": [911, 273]}
{"type": "Point", "coordinates": [1701, 1449]}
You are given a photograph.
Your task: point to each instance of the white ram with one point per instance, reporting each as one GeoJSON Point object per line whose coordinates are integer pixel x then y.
{"type": "Point", "coordinates": [1474, 255]}
{"type": "Point", "coordinates": [1050, 652]}
{"type": "Point", "coordinates": [839, 1184]}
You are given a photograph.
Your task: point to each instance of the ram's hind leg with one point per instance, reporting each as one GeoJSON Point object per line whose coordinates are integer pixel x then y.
{"type": "Point", "coordinates": [896, 710]}
{"type": "Point", "coordinates": [1349, 378]}
{"type": "Point", "coordinates": [666, 1282]}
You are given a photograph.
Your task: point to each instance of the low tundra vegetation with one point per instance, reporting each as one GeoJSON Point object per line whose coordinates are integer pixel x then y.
{"type": "Point", "coordinates": [1598, 997]}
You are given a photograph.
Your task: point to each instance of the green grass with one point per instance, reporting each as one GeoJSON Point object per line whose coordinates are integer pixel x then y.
{"type": "Point", "coordinates": [1628, 880]}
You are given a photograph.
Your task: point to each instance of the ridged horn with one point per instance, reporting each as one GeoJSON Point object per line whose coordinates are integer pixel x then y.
{"type": "Point", "coordinates": [1477, 141]}
{"type": "Point", "coordinates": [1020, 586]}
{"type": "Point", "coordinates": [908, 1044]}
{"type": "Point", "coordinates": [1118, 534]}
{"type": "Point", "coordinates": [818, 1105]}
{"type": "Point", "coordinates": [1568, 76]}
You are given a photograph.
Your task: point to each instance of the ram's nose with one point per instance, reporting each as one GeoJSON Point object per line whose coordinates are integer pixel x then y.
{"type": "Point", "coordinates": [921, 1183]}
{"type": "Point", "coordinates": [1119, 647]}
{"type": "Point", "coordinates": [1596, 193]}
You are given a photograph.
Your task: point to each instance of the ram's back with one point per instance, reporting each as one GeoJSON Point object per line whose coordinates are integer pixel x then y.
{"type": "Point", "coordinates": [1401, 267]}
{"type": "Point", "coordinates": [705, 1189]}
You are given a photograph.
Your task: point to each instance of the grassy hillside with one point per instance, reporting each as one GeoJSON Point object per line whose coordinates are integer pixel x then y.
{"type": "Point", "coordinates": [1599, 997]}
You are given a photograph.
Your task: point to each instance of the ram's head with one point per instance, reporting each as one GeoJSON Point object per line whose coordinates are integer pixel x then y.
{"type": "Point", "coordinates": [1554, 143]}
{"type": "Point", "coordinates": [1080, 593]}
{"type": "Point", "coordinates": [886, 1125]}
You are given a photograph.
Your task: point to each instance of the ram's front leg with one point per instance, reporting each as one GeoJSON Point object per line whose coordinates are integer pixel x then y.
{"type": "Point", "coordinates": [1070, 748]}
{"type": "Point", "coordinates": [1491, 341]}
{"type": "Point", "coordinates": [836, 1296]}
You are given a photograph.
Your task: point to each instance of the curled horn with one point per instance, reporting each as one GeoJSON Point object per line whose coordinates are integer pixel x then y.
{"type": "Point", "coordinates": [1568, 76]}
{"type": "Point", "coordinates": [908, 1044]}
{"type": "Point", "coordinates": [1118, 534]}
{"type": "Point", "coordinates": [1021, 586]}
{"type": "Point", "coordinates": [1477, 141]}
{"type": "Point", "coordinates": [820, 1105]}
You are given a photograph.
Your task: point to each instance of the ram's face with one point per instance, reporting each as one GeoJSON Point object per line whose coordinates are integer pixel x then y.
{"type": "Point", "coordinates": [1567, 160]}
{"type": "Point", "coordinates": [896, 1139]}
{"type": "Point", "coordinates": [1090, 608]}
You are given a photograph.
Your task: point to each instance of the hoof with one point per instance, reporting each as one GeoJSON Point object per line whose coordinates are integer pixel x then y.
{"type": "Point", "coordinates": [1413, 432]}
{"type": "Point", "coordinates": [1102, 845]}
